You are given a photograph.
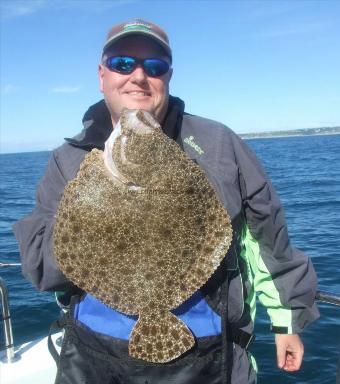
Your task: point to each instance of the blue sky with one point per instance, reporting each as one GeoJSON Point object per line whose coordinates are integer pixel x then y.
{"type": "Point", "coordinates": [253, 65]}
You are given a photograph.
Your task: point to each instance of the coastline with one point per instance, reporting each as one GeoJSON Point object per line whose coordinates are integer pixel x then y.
{"type": "Point", "coordinates": [324, 131]}
{"type": "Point", "coordinates": [294, 132]}
{"type": "Point", "coordinates": [247, 136]}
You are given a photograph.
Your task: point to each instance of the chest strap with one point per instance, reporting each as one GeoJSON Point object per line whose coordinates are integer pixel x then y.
{"type": "Point", "coordinates": [242, 338]}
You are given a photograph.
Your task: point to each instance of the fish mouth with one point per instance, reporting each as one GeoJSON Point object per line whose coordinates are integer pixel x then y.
{"type": "Point", "coordinates": [110, 166]}
{"type": "Point", "coordinates": [132, 122]}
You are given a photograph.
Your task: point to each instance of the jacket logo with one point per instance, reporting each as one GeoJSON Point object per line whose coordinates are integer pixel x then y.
{"type": "Point", "coordinates": [190, 141]}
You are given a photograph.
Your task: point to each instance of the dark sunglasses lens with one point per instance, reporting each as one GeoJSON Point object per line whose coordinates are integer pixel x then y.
{"type": "Point", "coordinates": [155, 67]}
{"type": "Point", "coordinates": [121, 64]}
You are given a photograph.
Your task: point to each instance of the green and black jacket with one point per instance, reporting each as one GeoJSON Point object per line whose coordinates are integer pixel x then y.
{"type": "Point", "coordinates": [261, 261]}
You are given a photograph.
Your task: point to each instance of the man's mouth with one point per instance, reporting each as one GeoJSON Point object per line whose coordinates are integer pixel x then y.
{"type": "Point", "coordinates": [138, 93]}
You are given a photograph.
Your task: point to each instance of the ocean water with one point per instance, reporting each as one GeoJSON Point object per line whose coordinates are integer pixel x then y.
{"type": "Point", "coordinates": [306, 174]}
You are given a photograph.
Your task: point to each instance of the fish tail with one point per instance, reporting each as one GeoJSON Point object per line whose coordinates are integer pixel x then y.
{"type": "Point", "coordinates": [159, 337]}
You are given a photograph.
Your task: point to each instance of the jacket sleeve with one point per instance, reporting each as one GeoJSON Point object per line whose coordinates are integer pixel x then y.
{"type": "Point", "coordinates": [283, 276]}
{"type": "Point", "coordinates": [34, 232]}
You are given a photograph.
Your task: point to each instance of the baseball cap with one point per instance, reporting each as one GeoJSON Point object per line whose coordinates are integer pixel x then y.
{"type": "Point", "coordinates": [138, 27]}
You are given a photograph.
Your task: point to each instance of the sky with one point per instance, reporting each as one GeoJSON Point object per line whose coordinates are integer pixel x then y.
{"type": "Point", "coordinates": [252, 65]}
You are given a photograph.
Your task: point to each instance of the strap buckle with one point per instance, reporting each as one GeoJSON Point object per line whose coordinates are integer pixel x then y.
{"type": "Point", "coordinates": [242, 338]}
{"type": "Point", "coordinates": [250, 340]}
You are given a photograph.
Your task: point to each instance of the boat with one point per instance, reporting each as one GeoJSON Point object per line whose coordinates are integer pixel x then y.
{"type": "Point", "coordinates": [29, 363]}
{"type": "Point", "coordinates": [32, 363]}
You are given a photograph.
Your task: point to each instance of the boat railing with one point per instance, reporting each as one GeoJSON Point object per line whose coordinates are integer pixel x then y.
{"type": "Point", "coordinates": [327, 297]}
{"type": "Point", "coordinates": [6, 318]}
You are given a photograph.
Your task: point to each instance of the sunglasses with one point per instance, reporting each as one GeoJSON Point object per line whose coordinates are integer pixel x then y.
{"type": "Point", "coordinates": [127, 64]}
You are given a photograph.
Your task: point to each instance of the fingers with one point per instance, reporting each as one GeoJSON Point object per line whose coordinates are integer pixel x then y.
{"type": "Point", "coordinates": [280, 352]}
{"type": "Point", "coordinates": [289, 349]}
{"type": "Point", "coordinates": [293, 361]}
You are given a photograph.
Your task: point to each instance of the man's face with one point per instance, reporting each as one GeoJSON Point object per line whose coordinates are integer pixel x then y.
{"type": "Point", "coordinates": [136, 90]}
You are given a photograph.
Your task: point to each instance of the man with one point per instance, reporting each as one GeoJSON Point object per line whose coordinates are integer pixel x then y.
{"type": "Point", "coordinates": [134, 73]}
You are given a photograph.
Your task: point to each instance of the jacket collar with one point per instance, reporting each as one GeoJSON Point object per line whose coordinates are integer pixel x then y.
{"type": "Point", "coordinates": [98, 126]}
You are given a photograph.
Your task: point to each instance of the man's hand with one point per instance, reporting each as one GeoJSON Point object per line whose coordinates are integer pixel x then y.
{"type": "Point", "coordinates": [289, 351]}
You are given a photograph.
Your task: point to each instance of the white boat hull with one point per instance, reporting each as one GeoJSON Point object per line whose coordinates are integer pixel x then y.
{"type": "Point", "coordinates": [34, 364]}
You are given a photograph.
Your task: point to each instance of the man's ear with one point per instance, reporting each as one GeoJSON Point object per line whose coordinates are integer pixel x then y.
{"type": "Point", "coordinates": [101, 70]}
{"type": "Point", "coordinates": [170, 73]}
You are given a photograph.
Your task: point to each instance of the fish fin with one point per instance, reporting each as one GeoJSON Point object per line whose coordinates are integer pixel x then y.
{"type": "Point", "coordinates": [159, 337]}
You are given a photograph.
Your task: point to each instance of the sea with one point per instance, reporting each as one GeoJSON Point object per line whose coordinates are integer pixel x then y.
{"type": "Point", "coordinates": [305, 170]}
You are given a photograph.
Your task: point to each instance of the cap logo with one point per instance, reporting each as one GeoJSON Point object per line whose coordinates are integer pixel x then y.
{"type": "Point", "coordinates": [142, 27]}
{"type": "Point", "coordinates": [138, 25]}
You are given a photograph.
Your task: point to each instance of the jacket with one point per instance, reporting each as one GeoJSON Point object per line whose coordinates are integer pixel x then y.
{"type": "Point", "coordinates": [261, 259]}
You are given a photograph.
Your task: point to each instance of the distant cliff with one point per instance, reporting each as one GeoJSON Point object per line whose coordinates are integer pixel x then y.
{"type": "Point", "coordinates": [293, 132]}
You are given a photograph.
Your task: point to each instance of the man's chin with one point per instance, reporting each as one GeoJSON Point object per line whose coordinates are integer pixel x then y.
{"type": "Point", "coordinates": [139, 105]}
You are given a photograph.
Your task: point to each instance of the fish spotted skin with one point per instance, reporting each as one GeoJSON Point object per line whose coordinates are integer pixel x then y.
{"type": "Point", "coordinates": [143, 233]}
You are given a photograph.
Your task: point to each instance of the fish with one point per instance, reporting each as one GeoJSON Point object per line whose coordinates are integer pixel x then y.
{"type": "Point", "coordinates": [141, 229]}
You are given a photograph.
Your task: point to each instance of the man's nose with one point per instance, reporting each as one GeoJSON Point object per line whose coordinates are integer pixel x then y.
{"type": "Point", "coordinates": [138, 74]}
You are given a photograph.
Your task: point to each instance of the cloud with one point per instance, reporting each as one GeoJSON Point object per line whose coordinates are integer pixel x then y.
{"type": "Point", "coordinates": [293, 30]}
{"type": "Point", "coordinates": [259, 10]}
{"type": "Point", "coordinates": [15, 8]}
{"type": "Point", "coordinates": [9, 88]}
{"type": "Point", "coordinates": [65, 89]}
{"type": "Point", "coordinates": [19, 8]}
{"type": "Point", "coordinates": [92, 5]}
{"type": "Point", "coordinates": [285, 18]}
